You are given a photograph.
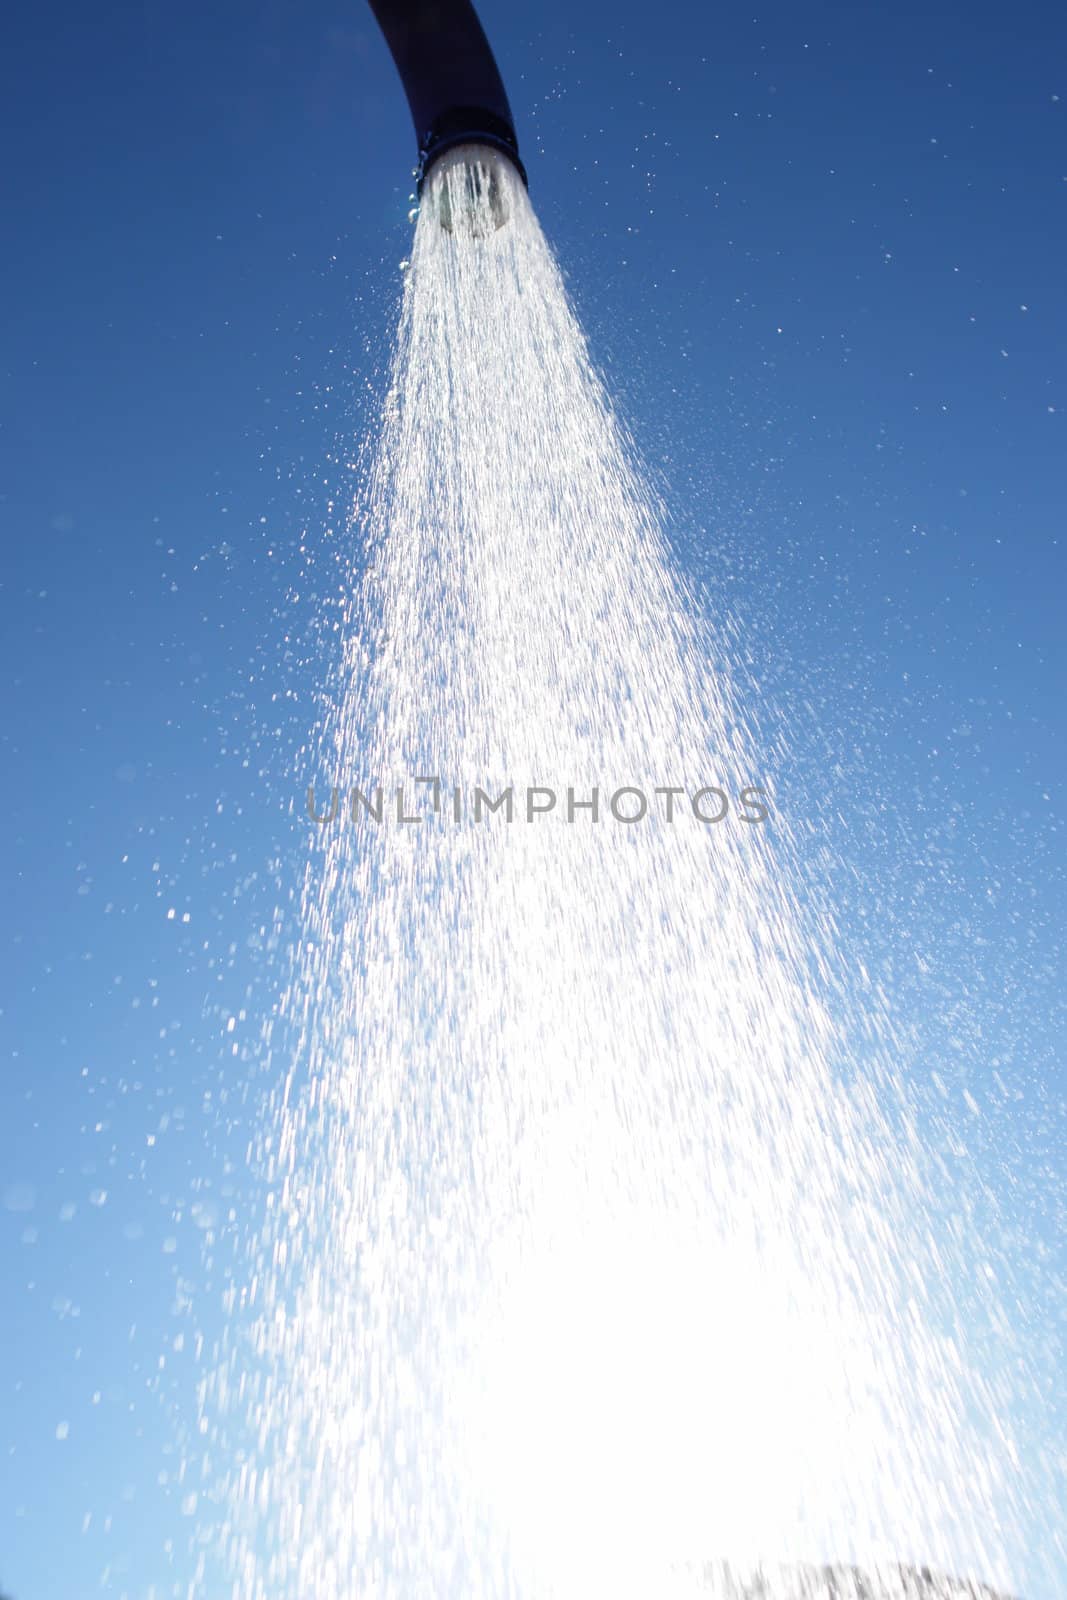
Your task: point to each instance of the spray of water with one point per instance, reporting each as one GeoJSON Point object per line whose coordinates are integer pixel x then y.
{"type": "Point", "coordinates": [589, 1267]}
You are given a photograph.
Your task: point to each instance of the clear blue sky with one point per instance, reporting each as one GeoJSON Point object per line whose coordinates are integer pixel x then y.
{"type": "Point", "coordinates": [819, 252]}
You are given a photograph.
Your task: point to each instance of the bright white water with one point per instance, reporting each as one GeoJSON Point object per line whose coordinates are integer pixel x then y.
{"type": "Point", "coordinates": [597, 1245]}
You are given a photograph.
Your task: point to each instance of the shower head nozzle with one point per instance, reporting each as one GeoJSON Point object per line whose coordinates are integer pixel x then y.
{"type": "Point", "coordinates": [468, 191]}
{"type": "Point", "coordinates": [468, 125]}
{"type": "Point", "coordinates": [451, 80]}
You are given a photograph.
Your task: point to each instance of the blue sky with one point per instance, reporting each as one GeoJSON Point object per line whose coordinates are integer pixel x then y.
{"type": "Point", "coordinates": [818, 253]}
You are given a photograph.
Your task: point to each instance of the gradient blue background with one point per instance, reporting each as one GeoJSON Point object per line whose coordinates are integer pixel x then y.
{"type": "Point", "coordinates": [819, 253]}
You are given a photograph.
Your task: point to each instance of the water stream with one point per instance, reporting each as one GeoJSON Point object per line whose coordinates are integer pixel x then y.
{"type": "Point", "coordinates": [592, 1260]}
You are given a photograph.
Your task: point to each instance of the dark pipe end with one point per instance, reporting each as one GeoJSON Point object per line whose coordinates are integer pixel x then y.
{"type": "Point", "coordinates": [468, 125]}
{"type": "Point", "coordinates": [451, 80]}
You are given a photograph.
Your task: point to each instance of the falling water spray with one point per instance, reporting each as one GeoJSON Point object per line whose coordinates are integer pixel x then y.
{"type": "Point", "coordinates": [592, 1262]}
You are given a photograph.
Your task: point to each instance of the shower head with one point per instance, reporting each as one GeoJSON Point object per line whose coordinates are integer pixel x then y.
{"type": "Point", "coordinates": [451, 81]}
{"type": "Point", "coordinates": [468, 191]}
